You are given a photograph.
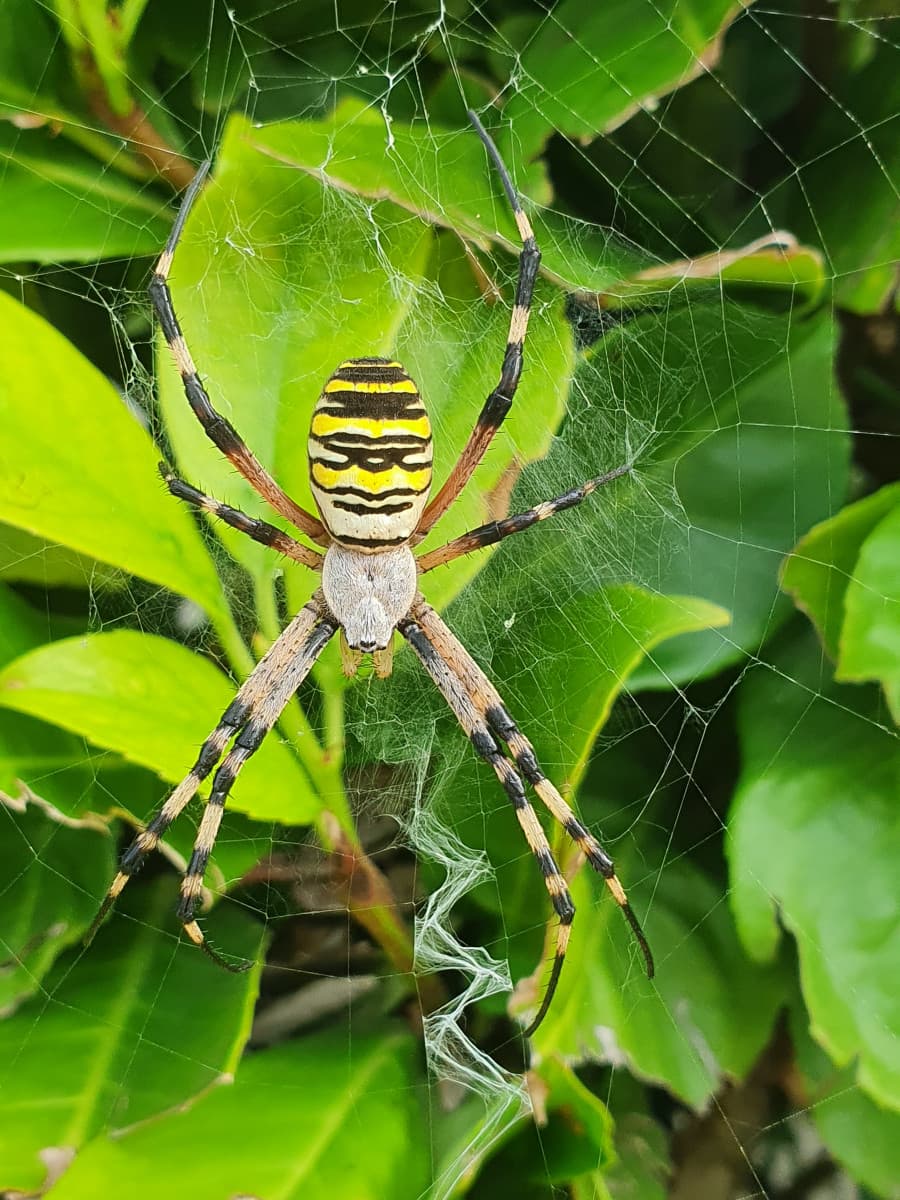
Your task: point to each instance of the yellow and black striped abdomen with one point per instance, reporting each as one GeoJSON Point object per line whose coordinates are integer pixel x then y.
{"type": "Point", "coordinates": [370, 454]}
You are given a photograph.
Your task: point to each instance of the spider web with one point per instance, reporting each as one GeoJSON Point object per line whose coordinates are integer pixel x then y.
{"type": "Point", "coordinates": [717, 314]}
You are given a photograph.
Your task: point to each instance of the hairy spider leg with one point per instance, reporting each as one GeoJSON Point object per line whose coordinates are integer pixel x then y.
{"type": "Point", "coordinates": [495, 531]}
{"type": "Point", "coordinates": [488, 704]}
{"type": "Point", "coordinates": [259, 531]}
{"type": "Point", "coordinates": [221, 432]}
{"type": "Point", "coordinates": [238, 713]}
{"type": "Point", "coordinates": [454, 692]}
{"type": "Point", "coordinates": [269, 709]}
{"type": "Point", "coordinates": [500, 399]}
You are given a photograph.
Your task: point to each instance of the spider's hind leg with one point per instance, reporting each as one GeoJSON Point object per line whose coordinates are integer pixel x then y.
{"type": "Point", "coordinates": [480, 694]}
{"type": "Point", "coordinates": [149, 838]}
{"type": "Point", "coordinates": [454, 690]}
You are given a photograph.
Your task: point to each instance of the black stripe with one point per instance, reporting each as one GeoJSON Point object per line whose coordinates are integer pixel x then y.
{"type": "Point", "coordinates": [366, 460]}
{"type": "Point", "coordinates": [371, 370]}
{"type": "Point", "coordinates": [368, 542]}
{"type": "Point", "coordinates": [351, 491]}
{"type": "Point", "coordinates": [341, 442]}
{"type": "Point", "coordinates": [393, 441]}
{"type": "Point", "coordinates": [383, 406]}
{"type": "Point", "coordinates": [362, 510]}
{"type": "Point", "coordinates": [546, 863]}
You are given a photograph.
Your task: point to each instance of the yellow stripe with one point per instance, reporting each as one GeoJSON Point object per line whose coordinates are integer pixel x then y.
{"type": "Point", "coordinates": [322, 424]}
{"type": "Point", "coordinates": [347, 385]}
{"type": "Point", "coordinates": [371, 481]}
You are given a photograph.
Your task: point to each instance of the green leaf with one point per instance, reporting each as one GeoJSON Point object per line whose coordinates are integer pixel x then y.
{"type": "Point", "coordinates": [445, 178]}
{"type": "Point", "coordinates": [863, 1137]}
{"type": "Point", "coordinates": [61, 205]}
{"type": "Point", "coordinates": [52, 875]}
{"type": "Point", "coordinates": [745, 451]}
{"type": "Point", "coordinates": [641, 1170]}
{"type": "Point", "coordinates": [124, 1031]}
{"type": "Point", "coordinates": [430, 171]}
{"type": "Point", "coordinates": [77, 468]}
{"type": "Point", "coordinates": [20, 626]}
{"type": "Point", "coordinates": [843, 194]}
{"type": "Point", "coordinates": [25, 558]}
{"type": "Point", "coordinates": [625, 55]}
{"type": "Point", "coordinates": [819, 569]}
{"type": "Point", "coordinates": [860, 1134]}
{"type": "Point", "coordinates": [706, 1014]}
{"type": "Point", "coordinates": [775, 260]}
{"type": "Point", "coordinates": [43, 759]}
{"type": "Point", "coordinates": [843, 574]}
{"type": "Point", "coordinates": [313, 1119]}
{"type": "Point", "coordinates": [571, 1136]}
{"type": "Point", "coordinates": [814, 841]}
{"type": "Point", "coordinates": [617, 629]}
{"type": "Point", "coordinates": [153, 702]}
{"type": "Point", "coordinates": [870, 638]}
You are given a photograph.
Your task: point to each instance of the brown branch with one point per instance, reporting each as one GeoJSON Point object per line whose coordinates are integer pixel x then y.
{"type": "Point", "coordinates": [371, 902]}
{"type": "Point", "coordinates": [139, 131]}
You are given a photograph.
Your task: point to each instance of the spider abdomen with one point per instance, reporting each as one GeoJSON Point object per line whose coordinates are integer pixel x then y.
{"type": "Point", "coordinates": [370, 454]}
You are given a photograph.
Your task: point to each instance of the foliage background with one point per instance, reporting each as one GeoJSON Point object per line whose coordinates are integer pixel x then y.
{"type": "Point", "coordinates": [708, 653]}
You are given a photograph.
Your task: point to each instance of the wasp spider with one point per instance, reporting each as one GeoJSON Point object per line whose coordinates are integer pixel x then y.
{"type": "Point", "coordinates": [370, 459]}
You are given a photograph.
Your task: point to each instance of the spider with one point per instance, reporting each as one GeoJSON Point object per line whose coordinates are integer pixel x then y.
{"type": "Point", "coordinates": [370, 460]}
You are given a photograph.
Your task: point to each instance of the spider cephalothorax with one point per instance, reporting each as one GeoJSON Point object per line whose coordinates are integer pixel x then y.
{"type": "Point", "coordinates": [370, 457]}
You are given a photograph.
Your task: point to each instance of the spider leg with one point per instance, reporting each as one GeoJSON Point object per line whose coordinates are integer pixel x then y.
{"type": "Point", "coordinates": [260, 531]}
{"type": "Point", "coordinates": [487, 535]}
{"type": "Point", "coordinates": [499, 401]}
{"type": "Point", "coordinates": [454, 691]}
{"type": "Point", "coordinates": [287, 678]}
{"type": "Point", "coordinates": [235, 717]}
{"type": "Point", "coordinates": [486, 700]}
{"type": "Point", "coordinates": [220, 431]}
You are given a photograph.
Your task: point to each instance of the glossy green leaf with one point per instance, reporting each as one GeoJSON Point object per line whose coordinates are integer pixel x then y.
{"type": "Point", "coordinates": [153, 702]}
{"type": "Point", "coordinates": [863, 1137]}
{"type": "Point", "coordinates": [773, 261]}
{"type": "Point", "coordinates": [820, 568]}
{"type": "Point", "coordinates": [814, 841]}
{"type": "Point", "coordinates": [430, 172]}
{"type": "Point", "coordinates": [843, 574]}
{"type": "Point", "coordinates": [571, 1136]}
{"type": "Point", "coordinates": [62, 205]}
{"type": "Point", "coordinates": [25, 558]}
{"type": "Point", "coordinates": [843, 194]}
{"type": "Point", "coordinates": [51, 877]}
{"type": "Point", "coordinates": [870, 638]}
{"type": "Point", "coordinates": [313, 1119]}
{"type": "Point", "coordinates": [860, 1134]}
{"type": "Point", "coordinates": [705, 1015]}
{"type": "Point", "coordinates": [123, 1031]}
{"type": "Point", "coordinates": [77, 468]}
{"type": "Point", "coordinates": [625, 55]}
{"type": "Point", "coordinates": [615, 628]}
{"type": "Point", "coordinates": [36, 758]}
{"type": "Point", "coordinates": [641, 1170]}
{"type": "Point", "coordinates": [742, 452]}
